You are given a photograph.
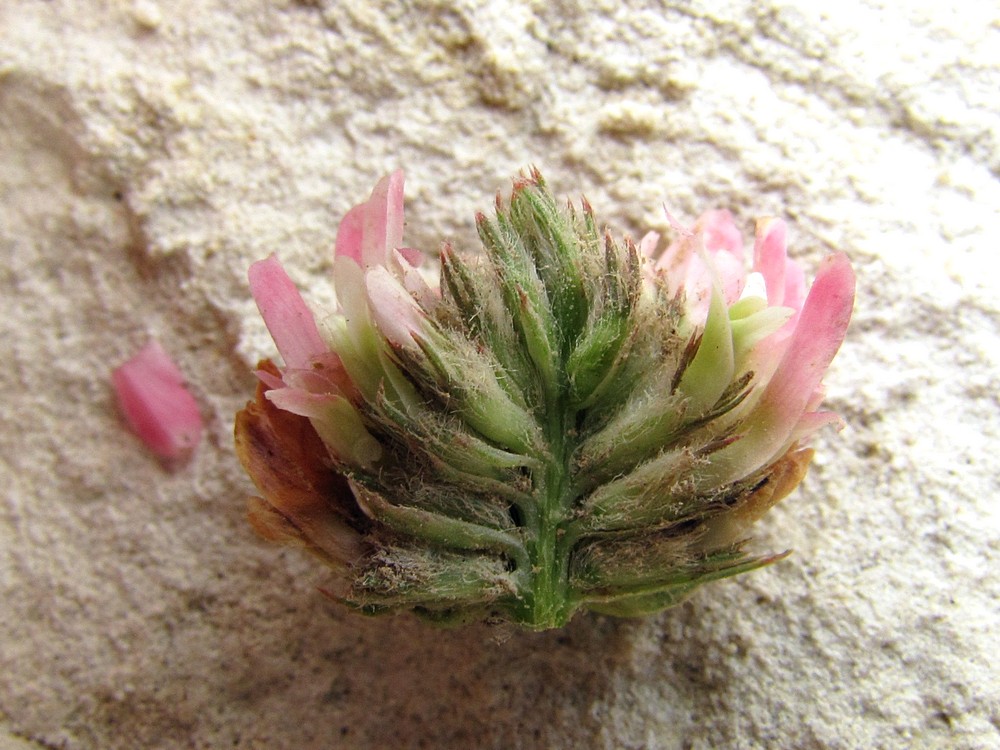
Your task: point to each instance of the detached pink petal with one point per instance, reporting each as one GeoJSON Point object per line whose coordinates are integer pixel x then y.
{"type": "Point", "coordinates": [285, 314]}
{"type": "Point", "coordinates": [157, 406]}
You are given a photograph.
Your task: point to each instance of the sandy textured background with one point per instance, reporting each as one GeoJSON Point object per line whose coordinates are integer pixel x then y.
{"type": "Point", "coordinates": [149, 153]}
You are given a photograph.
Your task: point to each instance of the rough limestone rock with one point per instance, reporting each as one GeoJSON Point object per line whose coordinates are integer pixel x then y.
{"type": "Point", "coordinates": [150, 152]}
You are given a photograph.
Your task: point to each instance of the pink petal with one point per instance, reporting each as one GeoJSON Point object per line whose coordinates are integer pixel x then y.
{"type": "Point", "coordinates": [732, 275]}
{"type": "Point", "coordinates": [813, 421]}
{"type": "Point", "coordinates": [721, 233]}
{"type": "Point", "coordinates": [698, 289]}
{"type": "Point", "coordinates": [285, 314]}
{"type": "Point", "coordinates": [335, 420]}
{"type": "Point", "coordinates": [300, 402]}
{"type": "Point", "coordinates": [808, 352]}
{"type": "Point", "coordinates": [325, 374]}
{"type": "Point", "coordinates": [816, 398]}
{"type": "Point", "coordinates": [647, 245]}
{"type": "Point", "coordinates": [413, 280]}
{"type": "Point", "coordinates": [724, 243]}
{"type": "Point", "coordinates": [795, 285]}
{"type": "Point", "coordinates": [414, 256]}
{"type": "Point", "coordinates": [350, 234]}
{"type": "Point", "coordinates": [675, 224]}
{"type": "Point", "coordinates": [683, 267]}
{"type": "Point", "coordinates": [157, 406]}
{"type": "Point", "coordinates": [770, 258]}
{"type": "Point", "coordinates": [384, 217]}
{"type": "Point", "coordinates": [716, 238]}
{"type": "Point", "coordinates": [271, 381]}
{"type": "Point", "coordinates": [818, 335]}
{"type": "Point", "coordinates": [394, 311]}
{"type": "Point", "coordinates": [371, 230]}
{"type": "Point", "coordinates": [675, 259]}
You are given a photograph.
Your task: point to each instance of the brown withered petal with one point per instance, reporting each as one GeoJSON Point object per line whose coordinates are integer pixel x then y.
{"type": "Point", "coordinates": [782, 477]}
{"type": "Point", "coordinates": [304, 498]}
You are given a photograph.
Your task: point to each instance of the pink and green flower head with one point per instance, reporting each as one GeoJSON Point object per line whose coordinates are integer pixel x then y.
{"type": "Point", "coordinates": [560, 421]}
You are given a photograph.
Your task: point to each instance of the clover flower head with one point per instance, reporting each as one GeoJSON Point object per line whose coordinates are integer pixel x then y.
{"type": "Point", "coordinates": [560, 422]}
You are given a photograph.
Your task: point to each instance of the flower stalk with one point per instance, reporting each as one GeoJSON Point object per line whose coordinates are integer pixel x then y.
{"type": "Point", "coordinates": [561, 422]}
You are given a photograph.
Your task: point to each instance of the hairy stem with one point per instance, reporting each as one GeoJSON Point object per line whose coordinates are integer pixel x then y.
{"type": "Point", "coordinates": [549, 604]}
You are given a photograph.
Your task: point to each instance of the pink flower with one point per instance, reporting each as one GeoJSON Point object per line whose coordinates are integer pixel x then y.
{"type": "Point", "coordinates": [784, 337]}
{"type": "Point", "coordinates": [312, 373]}
{"type": "Point", "coordinates": [786, 412]}
{"type": "Point", "coordinates": [157, 406]}
{"type": "Point", "coordinates": [371, 238]}
{"type": "Point", "coordinates": [712, 249]}
{"type": "Point", "coordinates": [376, 282]}
{"type": "Point", "coordinates": [287, 317]}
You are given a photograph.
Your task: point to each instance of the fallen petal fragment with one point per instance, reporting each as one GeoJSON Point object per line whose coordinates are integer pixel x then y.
{"type": "Point", "coordinates": [157, 406]}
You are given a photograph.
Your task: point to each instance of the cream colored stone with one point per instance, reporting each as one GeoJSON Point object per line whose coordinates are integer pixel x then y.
{"type": "Point", "coordinates": [149, 153]}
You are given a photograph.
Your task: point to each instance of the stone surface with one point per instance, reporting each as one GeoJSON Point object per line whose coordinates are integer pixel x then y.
{"type": "Point", "coordinates": [150, 151]}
